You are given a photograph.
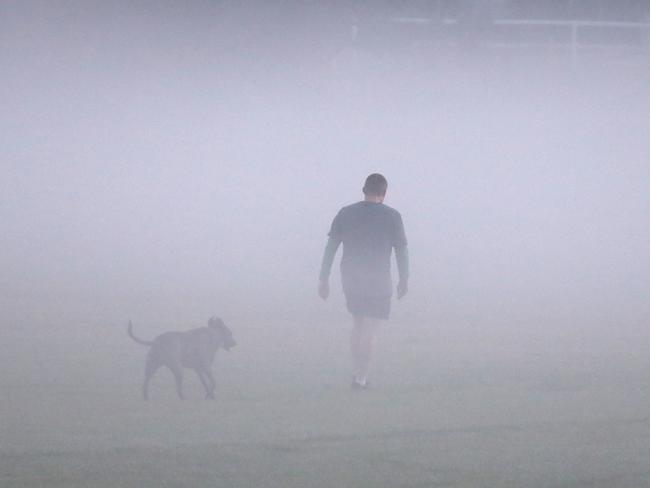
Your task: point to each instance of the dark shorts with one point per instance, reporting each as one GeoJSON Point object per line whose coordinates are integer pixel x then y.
{"type": "Point", "coordinates": [372, 306]}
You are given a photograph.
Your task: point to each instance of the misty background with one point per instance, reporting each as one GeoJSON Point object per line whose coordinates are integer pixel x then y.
{"type": "Point", "coordinates": [168, 161]}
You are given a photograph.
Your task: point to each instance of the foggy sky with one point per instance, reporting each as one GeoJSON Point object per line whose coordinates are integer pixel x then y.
{"type": "Point", "coordinates": [180, 161]}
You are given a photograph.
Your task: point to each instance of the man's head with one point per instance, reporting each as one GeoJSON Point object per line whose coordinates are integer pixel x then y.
{"type": "Point", "coordinates": [375, 187]}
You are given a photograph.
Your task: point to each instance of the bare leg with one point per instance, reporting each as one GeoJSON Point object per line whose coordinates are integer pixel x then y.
{"type": "Point", "coordinates": [361, 340]}
{"type": "Point", "coordinates": [355, 339]}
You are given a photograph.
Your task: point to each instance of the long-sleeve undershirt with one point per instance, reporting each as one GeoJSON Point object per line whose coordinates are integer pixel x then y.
{"type": "Point", "coordinates": [328, 258]}
{"type": "Point", "coordinates": [402, 258]}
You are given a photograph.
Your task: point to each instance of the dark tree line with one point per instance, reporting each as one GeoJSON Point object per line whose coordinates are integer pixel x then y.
{"type": "Point", "coordinates": [624, 10]}
{"type": "Point", "coordinates": [621, 10]}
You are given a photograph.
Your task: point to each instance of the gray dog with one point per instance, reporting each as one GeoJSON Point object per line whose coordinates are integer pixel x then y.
{"type": "Point", "coordinates": [194, 349]}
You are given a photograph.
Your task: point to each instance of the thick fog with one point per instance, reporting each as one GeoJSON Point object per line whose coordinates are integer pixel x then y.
{"type": "Point", "coordinates": [165, 162]}
{"type": "Point", "coordinates": [168, 160]}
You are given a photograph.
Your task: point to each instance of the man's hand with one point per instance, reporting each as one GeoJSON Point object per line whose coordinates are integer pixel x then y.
{"type": "Point", "coordinates": [323, 289]}
{"type": "Point", "coordinates": [402, 289]}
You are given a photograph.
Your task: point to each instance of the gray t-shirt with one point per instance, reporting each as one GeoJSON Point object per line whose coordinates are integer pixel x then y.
{"type": "Point", "coordinates": [368, 231]}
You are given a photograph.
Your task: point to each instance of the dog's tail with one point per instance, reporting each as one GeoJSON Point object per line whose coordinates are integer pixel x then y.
{"type": "Point", "coordinates": [132, 336]}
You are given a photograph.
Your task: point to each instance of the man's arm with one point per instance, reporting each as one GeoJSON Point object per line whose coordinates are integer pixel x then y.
{"type": "Point", "coordinates": [326, 267]}
{"type": "Point", "coordinates": [402, 258]}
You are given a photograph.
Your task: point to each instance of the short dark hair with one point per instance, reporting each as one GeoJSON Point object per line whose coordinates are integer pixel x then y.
{"type": "Point", "coordinates": [375, 185]}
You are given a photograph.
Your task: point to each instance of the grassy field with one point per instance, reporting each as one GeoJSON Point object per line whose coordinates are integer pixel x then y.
{"type": "Point", "coordinates": [452, 407]}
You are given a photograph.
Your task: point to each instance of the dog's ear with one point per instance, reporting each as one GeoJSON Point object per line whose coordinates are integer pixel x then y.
{"type": "Point", "coordinates": [215, 322]}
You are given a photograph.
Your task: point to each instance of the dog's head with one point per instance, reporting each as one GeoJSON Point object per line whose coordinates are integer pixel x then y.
{"type": "Point", "coordinates": [227, 340]}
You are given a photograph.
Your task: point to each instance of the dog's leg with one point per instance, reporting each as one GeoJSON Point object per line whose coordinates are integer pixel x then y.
{"type": "Point", "coordinates": [149, 369]}
{"type": "Point", "coordinates": [177, 371]}
{"type": "Point", "coordinates": [213, 384]}
{"type": "Point", "coordinates": [199, 373]}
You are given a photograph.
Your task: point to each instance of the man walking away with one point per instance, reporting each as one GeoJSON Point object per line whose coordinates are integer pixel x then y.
{"type": "Point", "coordinates": [369, 230]}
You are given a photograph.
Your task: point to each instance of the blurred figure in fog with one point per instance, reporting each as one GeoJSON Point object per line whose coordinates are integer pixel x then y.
{"type": "Point", "coordinates": [369, 230]}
